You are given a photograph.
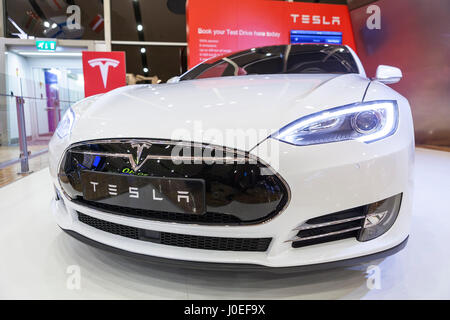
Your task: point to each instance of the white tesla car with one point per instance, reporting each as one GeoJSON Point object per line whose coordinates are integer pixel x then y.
{"type": "Point", "coordinates": [270, 158]}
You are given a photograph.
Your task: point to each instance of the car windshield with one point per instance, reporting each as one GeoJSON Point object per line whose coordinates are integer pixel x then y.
{"type": "Point", "coordinates": [303, 58]}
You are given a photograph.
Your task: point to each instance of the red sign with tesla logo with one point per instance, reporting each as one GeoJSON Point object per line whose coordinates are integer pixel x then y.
{"type": "Point", "coordinates": [217, 27]}
{"type": "Point", "coordinates": [103, 71]}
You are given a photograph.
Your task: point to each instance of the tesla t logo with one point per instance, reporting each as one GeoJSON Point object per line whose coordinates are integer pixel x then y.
{"type": "Point", "coordinates": [139, 148]}
{"type": "Point", "coordinates": [315, 19]}
{"type": "Point", "coordinates": [107, 66]}
{"type": "Point", "coordinates": [104, 64]}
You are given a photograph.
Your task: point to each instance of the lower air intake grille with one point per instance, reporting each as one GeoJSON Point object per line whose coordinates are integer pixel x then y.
{"type": "Point", "coordinates": [213, 243]}
{"type": "Point", "coordinates": [178, 240]}
{"type": "Point", "coordinates": [207, 218]}
{"type": "Point", "coordinates": [114, 228]}
{"type": "Point", "coordinates": [331, 227]}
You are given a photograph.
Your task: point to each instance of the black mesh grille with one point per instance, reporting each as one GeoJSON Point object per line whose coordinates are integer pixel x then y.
{"type": "Point", "coordinates": [178, 240]}
{"type": "Point", "coordinates": [207, 218]}
{"type": "Point", "coordinates": [214, 243]}
{"type": "Point", "coordinates": [119, 229]}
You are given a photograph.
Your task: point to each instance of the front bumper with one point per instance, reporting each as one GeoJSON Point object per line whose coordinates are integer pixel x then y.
{"type": "Point", "coordinates": [205, 266]}
{"type": "Point", "coordinates": [323, 179]}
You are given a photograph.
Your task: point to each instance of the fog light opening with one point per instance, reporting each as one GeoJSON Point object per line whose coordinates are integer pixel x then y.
{"type": "Point", "coordinates": [380, 216]}
{"type": "Point", "coordinates": [372, 219]}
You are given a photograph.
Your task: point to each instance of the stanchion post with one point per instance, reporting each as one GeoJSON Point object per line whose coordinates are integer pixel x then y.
{"type": "Point", "coordinates": [24, 166]}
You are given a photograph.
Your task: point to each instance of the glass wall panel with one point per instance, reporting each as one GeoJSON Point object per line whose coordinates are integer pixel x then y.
{"type": "Point", "coordinates": [144, 20]}
{"type": "Point", "coordinates": [63, 19]}
{"type": "Point", "coordinates": [149, 61]}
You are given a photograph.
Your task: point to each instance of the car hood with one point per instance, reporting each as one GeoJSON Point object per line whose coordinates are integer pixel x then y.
{"type": "Point", "coordinates": [202, 110]}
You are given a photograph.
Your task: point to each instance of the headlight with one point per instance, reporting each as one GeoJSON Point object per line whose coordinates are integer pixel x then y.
{"type": "Point", "coordinates": [366, 122]}
{"type": "Point", "coordinates": [65, 125]}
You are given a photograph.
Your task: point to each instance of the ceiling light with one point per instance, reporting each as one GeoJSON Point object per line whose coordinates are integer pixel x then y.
{"type": "Point", "coordinates": [140, 27]}
{"type": "Point", "coordinates": [46, 24]}
{"type": "Point", "coordinates": [145, 70]}
{"type": "Point", "coordinates": [50, 54]}
{"type": "Point", "coordinates": [143, 50]}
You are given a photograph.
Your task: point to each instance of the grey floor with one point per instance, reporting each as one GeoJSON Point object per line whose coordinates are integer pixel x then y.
{"type": "Point", "coordinates": [38, 261]}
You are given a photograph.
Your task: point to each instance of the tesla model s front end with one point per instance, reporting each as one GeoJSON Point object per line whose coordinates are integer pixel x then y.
{"type": "Point", "coordinates": [331, 181]}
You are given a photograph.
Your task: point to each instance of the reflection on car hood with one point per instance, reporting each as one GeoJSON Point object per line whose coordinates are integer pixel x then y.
{"type": "Point", "coordinates": [230, 103]}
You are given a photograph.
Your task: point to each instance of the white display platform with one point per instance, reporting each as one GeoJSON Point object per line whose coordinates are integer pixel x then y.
{"type": "Point", "coordinates": [35, 256]}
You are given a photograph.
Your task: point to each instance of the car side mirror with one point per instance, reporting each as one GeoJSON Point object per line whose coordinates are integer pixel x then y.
{"type": "Point", "coordinates": [174, 79]}
{"type": "Point", "coordinates": [388, 74]}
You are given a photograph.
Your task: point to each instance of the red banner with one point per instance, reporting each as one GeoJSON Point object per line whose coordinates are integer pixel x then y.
{"type": "Point", "coordinates": [103, 71]}
{"type": "Point", "coordinates": [216, 27]}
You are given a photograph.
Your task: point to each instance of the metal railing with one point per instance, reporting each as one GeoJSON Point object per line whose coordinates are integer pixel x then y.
{"type": "Point", "coordinates": [29, 119]}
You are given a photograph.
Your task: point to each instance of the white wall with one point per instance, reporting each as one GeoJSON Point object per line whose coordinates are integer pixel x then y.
{"type": "Point", "coordinates": [66, 63]}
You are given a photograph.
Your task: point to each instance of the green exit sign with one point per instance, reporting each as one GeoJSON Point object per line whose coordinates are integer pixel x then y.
{"type": "Point", "coordinates": [46, 45]}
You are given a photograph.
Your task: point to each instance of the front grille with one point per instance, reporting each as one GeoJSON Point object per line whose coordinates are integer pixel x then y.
{"type": "Point", "coordinates": [178, 240]}
{"type": "Point", "coordinates": [241, 192]}
{"type": "Point", "coordinates": [331, 227]}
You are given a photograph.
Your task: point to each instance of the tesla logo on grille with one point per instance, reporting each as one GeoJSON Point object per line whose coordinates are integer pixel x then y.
{"type": "Point", "coordinates": [133, 192]}
{"type": "Point", "coordinates": [182, 195]}
{"type": "Point", "coordinates": [139, 148]}
{"type": "Point", "coordinates": [103, 64]}
{"type": "Point", "coordinates": [138, 161]}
